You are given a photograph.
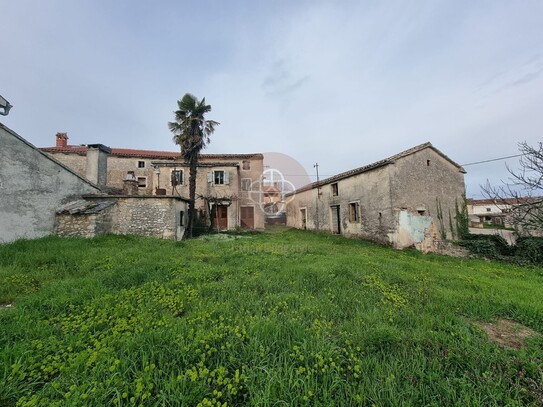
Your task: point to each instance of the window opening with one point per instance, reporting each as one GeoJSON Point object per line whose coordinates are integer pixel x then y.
{"type": "Point", "coordinates": [246, 184]}
{"type": "Point", "coordinates": [177, 177]}
{"type": "Point", "coordinates": [218, 177]}
{"type": "Point", "coordinates": [353, 212]}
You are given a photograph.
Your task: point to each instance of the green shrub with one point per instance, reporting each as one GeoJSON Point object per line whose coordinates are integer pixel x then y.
{"type": "Point", "coordinates": [530, 248]}
{"type": "Point", "coordinates": [491, 246]}
{"type": "Point", "coordinates": [481, 247]}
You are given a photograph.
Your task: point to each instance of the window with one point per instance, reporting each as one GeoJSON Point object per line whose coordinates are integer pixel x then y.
{"type": "Point", "coordinates": [427, 163]}
{"type": "Point", "coordinates": [181, 217]}
{"type": "Point", "coordinates": [246, 165]}
{"type": "Point", "coordinates": [141, 164]}
{"type": "Point", "coordinates": [488, 210]}
{"type": "Point", "coordinates": [219, 177]}
{"type": "Point", "coordinates": [142, 182]}
{"type": "Point", "coordinates": [354, 212]}
{"type": "Point", "coordinates": [177, 177]}
{"type": "Point", "coordinates": [335, 191]}
{"type": "Point", "coordinates": [246, 184]}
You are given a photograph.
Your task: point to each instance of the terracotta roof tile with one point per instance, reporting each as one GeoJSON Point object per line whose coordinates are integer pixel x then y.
{"type": "Point", "coordinates": [127, 152]}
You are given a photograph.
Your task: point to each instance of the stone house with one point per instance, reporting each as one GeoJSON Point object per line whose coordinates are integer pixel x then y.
{"type": "Point", "coordinates": [40, 196]}
{"type": "Point", "coordinates": [407, 200]}
{"type": "Point", "coordinates": [223, 180]}
{"type": "Point", "coordinates": [32, 186]}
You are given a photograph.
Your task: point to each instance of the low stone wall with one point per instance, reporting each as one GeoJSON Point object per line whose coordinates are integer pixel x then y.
{"type": "Point", "coordinates": [155, 216]}
{"type": "Point", "coordinates": [448, 248]}
{"type": "Point", "coordinates": [76, 225]}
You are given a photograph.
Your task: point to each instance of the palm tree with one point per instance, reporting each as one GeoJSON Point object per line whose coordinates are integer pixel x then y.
{"type": "Point", "coordinates": [191, 132]}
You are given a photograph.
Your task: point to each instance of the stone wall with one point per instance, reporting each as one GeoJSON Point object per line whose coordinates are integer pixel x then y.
{"type": "Point", "coordinates": [369, 192]}
{"type": "Point", "coordinates": [32, 187]}
{"type": "Point", "coordinates": [428, 185]}
{"type": "Point", "coordinates": [155, 216]}
{"type": "Point", "coordinates": [152, 216]}
{"type": "Point", "coordinates": [406, 202]}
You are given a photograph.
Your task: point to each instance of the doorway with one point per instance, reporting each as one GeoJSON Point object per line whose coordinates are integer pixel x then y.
{"type": "Point", "coordinates": [336, 220]}
{"type": "Point", "coordinates": [220, 219]}
{"type": "Point", "coordinates": [247, 217]}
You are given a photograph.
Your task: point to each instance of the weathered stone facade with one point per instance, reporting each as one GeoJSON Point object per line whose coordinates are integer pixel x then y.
{"type": "Point", "coordinates": [32, 186]}
{"type": "Point", "coordinates": [163, 217]}
{"type": "Point", "coordinates": [153, 171]}
{"type": "Point", "coordinates": [406, 200]}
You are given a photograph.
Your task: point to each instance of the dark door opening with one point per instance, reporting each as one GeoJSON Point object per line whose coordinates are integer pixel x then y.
{"type": "Point", "coordinates": [336, 220]}
{"type": "Point", "coordinates": [247, 217]}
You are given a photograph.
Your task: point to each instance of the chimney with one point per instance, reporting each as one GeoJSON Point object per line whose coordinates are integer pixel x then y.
{"type": "Point", "coordinates": [130, 184]}
{"type": "Point", "coordinates": [62, 139]}
{"type": "Point", "coordinates": [97, 163]}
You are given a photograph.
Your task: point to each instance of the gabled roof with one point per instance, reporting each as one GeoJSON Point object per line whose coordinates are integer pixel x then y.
{"type": "Point", "coordinates": [39, 150]}
{"type": "Point", "coordinates": [157, 155]}
{"type": "Point", "coordinates": [375, 165]}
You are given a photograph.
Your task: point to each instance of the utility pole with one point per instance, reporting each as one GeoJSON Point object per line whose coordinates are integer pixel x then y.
{"type": "Point", "coordinates": [316, 166]}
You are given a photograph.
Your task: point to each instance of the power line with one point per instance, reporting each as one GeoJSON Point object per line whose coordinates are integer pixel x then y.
{"type": "Point", "coordinates": [494, 159]}
{"type": "Point", "coordinates": [463, 165]}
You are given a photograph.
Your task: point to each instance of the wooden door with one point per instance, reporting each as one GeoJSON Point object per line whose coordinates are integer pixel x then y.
{"type": "Point", "coordinates": [247, 217]}
{"type": "Point", "coordinates": [220, 220]}
{"type": "Point", "coordinates": [336, 220]}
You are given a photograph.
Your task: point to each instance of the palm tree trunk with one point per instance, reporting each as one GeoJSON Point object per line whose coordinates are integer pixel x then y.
{"type": "Point", "coordinates": [192, 196]}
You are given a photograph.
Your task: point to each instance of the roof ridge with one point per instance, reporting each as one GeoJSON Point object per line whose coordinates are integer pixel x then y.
{"type": "Point", "coordinates": [376, 164]}
{"type": "Point", "coordinates": [139, 152]}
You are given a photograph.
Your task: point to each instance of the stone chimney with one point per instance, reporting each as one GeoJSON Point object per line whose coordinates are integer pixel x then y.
{"type": "Point", "coordinates": [97, 163]}
{"type": "Point", "coordinates": [130, 184]}
{"type": "Point", "coordinates": [62, 139]}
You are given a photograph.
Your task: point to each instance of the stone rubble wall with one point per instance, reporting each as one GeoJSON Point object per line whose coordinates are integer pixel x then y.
{"type": "Point", "coordinates": [137, 215]}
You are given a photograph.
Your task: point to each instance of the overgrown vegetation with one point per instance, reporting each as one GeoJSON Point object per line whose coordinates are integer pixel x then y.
{"type": "Point", "coordinates": [526, 249]}
{"type": "Point", "coordinates": [284, 318]}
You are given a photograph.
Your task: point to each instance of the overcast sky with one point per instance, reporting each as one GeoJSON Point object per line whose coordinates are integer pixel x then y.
{"type": "Point", "coordinates": [339, 83]}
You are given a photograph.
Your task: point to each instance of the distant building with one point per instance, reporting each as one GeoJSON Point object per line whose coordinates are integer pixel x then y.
{"type": "Point", "coordinates": [407, 200]}
{"type": "Point", "coordinates": [488, 211]}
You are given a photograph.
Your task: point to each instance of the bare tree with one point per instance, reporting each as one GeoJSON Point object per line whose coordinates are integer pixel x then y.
{"type": "Point", "coordinates": [522, 197]}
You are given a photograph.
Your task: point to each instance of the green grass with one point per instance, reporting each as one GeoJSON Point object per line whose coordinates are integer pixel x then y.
{"type": "Point", "coordinates": [288, 318]}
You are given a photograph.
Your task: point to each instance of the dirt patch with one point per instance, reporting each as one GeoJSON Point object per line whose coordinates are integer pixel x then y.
{"type": "Point", "coordinates": [507, 334]}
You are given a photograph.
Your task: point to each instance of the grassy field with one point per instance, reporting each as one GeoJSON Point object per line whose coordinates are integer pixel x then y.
{"type": "Point", "coordinates": [289, 318]}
